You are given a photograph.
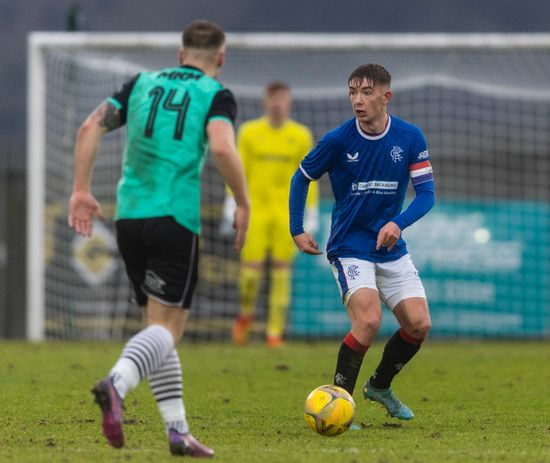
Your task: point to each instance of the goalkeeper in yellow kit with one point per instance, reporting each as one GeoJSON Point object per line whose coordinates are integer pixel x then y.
{"type": "Point", "coordinates": [271, 149]}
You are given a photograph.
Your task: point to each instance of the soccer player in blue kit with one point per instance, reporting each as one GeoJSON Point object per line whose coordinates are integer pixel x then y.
{"type": "Point", "coordinates": [370, 159]}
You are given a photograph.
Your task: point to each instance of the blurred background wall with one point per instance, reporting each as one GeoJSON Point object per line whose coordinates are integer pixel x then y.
{"type": "Point", "coordinates": [18, 17]}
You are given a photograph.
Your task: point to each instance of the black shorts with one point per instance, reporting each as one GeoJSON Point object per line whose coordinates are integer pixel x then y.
{"type": "Point", "coordinates": [161, 258]}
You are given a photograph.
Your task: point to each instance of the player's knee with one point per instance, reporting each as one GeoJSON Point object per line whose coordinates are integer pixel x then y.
{"type": "Point", "coordinates": [368, 327]}
{"type": "Point", "coordinates": [421, 327]}
{"type": "Point", "coordinates": [372, 325]}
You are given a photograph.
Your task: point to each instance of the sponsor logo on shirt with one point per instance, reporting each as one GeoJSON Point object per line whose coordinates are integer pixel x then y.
{"type": "Point", "coordinates": [378, 187]}
{"type": "Point", "coordinates": [374, 185]}
{"type": "Point", "coordinates": [395, 154]}
{"type": "Point", "coordinates": [353, 157]}
{"type": "Point", "coordinates": [423, 155]}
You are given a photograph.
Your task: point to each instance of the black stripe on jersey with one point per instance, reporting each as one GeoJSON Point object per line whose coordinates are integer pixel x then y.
{"type": "Point", "coordinates": [224, 105]}
{"type": "Point", "coordinates": [123, 95]}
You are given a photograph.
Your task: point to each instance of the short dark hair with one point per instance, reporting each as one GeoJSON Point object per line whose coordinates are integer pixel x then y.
{"type": "Point", "coordinates": [276, 86]}
{"type": "Point", "coordinates": [374, 73]}
{"type": "Point", "coordinates": [204, 35]}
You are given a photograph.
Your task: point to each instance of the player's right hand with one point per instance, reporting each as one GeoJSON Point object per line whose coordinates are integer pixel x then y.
{"type": "Point", "coordinates": [242, 217]}
{"type": "Point", "coordinates": [307, 244]}
{"type": "Point", "coordinates": [82, 209]}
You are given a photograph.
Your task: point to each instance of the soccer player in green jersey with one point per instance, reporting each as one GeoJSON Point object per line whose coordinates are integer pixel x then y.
{"type": "Point", "coordinates": [171, 116]}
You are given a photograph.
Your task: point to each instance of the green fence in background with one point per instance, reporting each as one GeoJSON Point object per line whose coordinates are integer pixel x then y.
{"type": "Point", "coordinates": [485, 266]}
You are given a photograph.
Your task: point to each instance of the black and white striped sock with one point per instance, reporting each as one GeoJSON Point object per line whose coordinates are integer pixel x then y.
{"type": "Point", "coordinates": [166, 384]}
{"type": "Point", "coordinates": [143, 354]}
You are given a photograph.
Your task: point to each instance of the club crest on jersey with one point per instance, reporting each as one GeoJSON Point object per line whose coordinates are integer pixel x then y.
{"type": "Point", "coordinates": [353, 157]}
{"type": "Point", "coordinates": [353, 272]}
{"type": "Point", "coordinates": [395, 154]}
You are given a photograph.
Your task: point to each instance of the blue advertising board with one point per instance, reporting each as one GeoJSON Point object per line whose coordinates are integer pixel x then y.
{"type": "Point", "coordinates": [485, 267]}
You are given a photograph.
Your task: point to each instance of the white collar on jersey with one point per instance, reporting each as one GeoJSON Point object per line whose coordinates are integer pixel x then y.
{"type": "Point", "coordinates": [373, 137]}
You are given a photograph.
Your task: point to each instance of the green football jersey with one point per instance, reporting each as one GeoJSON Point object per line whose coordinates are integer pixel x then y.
{"type": "Point", "coordinates": [166, 113]}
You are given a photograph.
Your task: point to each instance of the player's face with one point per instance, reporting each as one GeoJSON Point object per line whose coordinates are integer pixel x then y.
{"type": "Point", "coordinates": [278, 105]}
{"type": "Point", "coordinates": [369, 101]}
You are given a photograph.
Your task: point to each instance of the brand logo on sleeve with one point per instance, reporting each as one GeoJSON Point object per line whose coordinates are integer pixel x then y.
{"type": "Point", "coordinates": [353, 157]}
{"type": "Point", "coordinates": [423, 155]}
{"type": "Point", "coordinates": [396, 153]}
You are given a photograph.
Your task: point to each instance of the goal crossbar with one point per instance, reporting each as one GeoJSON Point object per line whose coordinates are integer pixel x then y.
{"type": "Point", "coordinates": [297, 40]}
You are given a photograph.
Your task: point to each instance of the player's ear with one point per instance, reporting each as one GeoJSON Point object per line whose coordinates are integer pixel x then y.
{"type": "Point", "coordinates": [181, 55]}
{"type": "Point", "coordinates": [388, 96]}
{"type": "Point", "coordinates": [221, 59]}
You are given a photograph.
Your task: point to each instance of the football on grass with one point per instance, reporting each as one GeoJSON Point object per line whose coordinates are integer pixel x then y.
{"type": "Point", "coordinates": [329, 410]}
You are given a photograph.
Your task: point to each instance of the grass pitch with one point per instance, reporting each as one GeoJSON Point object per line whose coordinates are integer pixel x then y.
{"type": "Point", "coordinates": [474, 402]}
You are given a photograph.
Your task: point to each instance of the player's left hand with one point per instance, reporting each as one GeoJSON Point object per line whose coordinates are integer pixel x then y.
{"type": "Point", "coordinates": [306, 243]}
{"type": "Point", "coordinates": [82, 208]}
{"type": "Point", "coordinates": [388, 236]}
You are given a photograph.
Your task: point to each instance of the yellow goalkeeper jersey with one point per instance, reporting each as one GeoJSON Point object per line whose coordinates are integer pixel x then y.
{"type": "Point", "coordinates": [270, 157]}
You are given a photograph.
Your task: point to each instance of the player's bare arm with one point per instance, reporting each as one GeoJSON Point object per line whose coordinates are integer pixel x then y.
{"type": "Point", "coordinates": [222, 144]}
{"type": "Point", "coordinates": [388, 236]}
{"type": "Point", "coordinates": [82, 205]}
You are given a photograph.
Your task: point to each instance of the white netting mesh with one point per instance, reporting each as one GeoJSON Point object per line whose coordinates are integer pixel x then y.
{"type": "Point", "coordinates": [483, 251]}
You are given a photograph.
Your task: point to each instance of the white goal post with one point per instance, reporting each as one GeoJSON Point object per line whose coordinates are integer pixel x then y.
{"type": "Point", "coordinates": [41, 43]}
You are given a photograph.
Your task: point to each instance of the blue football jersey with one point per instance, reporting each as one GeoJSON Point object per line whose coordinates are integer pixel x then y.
{"type": "Point", "coordinates": [369, 176]}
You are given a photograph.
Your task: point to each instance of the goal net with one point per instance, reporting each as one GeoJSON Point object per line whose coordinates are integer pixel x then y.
{"type": "Point", "coordinates": [483, 102]}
